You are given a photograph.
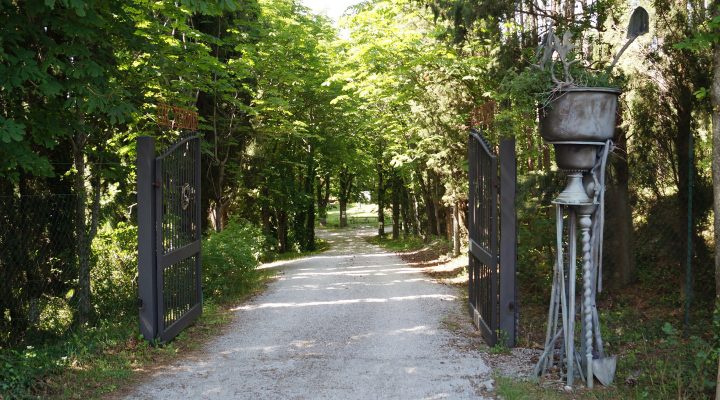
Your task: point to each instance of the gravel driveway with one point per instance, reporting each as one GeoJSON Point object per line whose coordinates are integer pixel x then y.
{"type": "Point", "coordinates": [355, 322]}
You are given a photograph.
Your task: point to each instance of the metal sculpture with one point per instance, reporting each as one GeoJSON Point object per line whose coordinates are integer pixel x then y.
{"type": "Point", "coordinates": [580, 125]}
{"type": "Point", "coordinates": [590, 360]}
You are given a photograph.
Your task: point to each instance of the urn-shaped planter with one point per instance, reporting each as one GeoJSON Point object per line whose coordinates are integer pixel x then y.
{"type": "Point", "coordinates": [576, 122]}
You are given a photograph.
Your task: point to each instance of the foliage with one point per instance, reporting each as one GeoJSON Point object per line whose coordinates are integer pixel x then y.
{"type": "Point", "coordinates": [101, 354]}
{"type": "Point", "coordinates": [115, 271]}
{"type": "Point", "coordinates": [536, 235]}
{"type": "Point", "coordinates": [294, 116]}
{"type": "Point", "coordinates": [230, 258]}
{"type": "Point", "coordinates": [93, 362]}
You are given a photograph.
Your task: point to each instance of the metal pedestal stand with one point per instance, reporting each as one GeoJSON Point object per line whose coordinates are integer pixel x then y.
{"type": "Point", "coordinates": [590, 360]}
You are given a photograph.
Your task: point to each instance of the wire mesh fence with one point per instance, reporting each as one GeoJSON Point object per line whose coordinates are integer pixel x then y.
{"type": "Point", "coordinates": [651, 246]}
{"type": "Point", "coordinates": [38, 259]}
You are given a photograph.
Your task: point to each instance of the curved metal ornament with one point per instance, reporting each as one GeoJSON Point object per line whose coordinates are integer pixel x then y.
{"type": "Point", "coordinates": [187, 194]}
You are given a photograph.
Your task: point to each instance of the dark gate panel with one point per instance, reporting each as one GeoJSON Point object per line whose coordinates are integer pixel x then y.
{"type": "Point", "coordinates": [483, 199]}
{"type": "Point", "coordinates": [491, 286]}
{"type": "Point", "coordinates": [169, 219]}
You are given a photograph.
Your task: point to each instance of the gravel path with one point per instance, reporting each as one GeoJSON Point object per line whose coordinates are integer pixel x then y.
{"type": "Point", "coordinates": [355, 322]}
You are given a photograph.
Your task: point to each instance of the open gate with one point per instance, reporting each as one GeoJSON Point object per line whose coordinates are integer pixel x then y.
{"type": "Point", "coordinates": [169, 237]}
{"type": "Point", "coordinates": [492, 247]}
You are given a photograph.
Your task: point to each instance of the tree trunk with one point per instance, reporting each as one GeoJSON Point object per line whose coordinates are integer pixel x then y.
{"type": "Point", "coordinates": [309, 244]}
{"type": "Point", "coordinates": [405, 211]}
{"type": "Point", "coordinates": [431, 221]}
{"type": "Point", "coordinates": [218, 211]}
{"type": "Point", "coordinates": [266, 213]}
{"type": "Point", "coordinates": [440, 214]}
{"type": "Point", "coordinates": [395, 206]}
{"type": "Point", "coordinates": [346, 182]}
{"type": "Point", "coordinates": [715, 100]}
{"type": "Point", "coordinates": [456, 230]}
{"type": "Point", "coordinates": [414, 210]}
{"type": "Point", "coordinates": [323, 197]}
{"type": "Point", "coordinates": [684, 104]}
{"type": "Point", "coordinates": [343, 213]}
{"type": "Point", "coordinates": [618, 254]}
{"type": "Point", "coordinates": [85, 234]}
{"type": "Point", "coordinates": [282, 231]}
{"type": "Point", "coordinates": [547, 164]}
{"type": "Point", "coordinates": [381, 200]}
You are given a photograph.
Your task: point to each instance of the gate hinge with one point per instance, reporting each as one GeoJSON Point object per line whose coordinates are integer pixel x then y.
{"type": "Point", "coordinates": [156, 184]}
{"type": "Point", "coordinates": [140, 303]}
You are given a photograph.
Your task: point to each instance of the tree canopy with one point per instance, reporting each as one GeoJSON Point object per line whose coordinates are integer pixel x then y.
{"type": "Point", "coordinates": [298, 113]}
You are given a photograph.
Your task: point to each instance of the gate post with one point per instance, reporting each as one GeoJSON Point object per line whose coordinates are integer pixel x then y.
{"type": "Point", "coordinates": [147, 299]}
{"type": "Point", "coordinates": [508, 240]}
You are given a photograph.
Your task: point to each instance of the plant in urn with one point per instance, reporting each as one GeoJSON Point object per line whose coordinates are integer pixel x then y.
{"type": "Point", "coordinates": [579, 121]}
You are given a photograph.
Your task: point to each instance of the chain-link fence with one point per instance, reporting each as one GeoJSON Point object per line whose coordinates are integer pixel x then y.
{"type": "Point", "coordinates": [38, 260]}
{"type": "Point", "coordinates": [650, 243]}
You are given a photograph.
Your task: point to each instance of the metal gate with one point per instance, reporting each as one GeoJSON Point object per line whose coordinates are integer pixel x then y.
{"type": "Point", "coordinates": [169, 236]}
{"type": "Point", "coordinates": [491, 286]}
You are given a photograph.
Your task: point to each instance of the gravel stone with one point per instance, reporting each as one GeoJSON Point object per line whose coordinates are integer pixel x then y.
{"type": "Point", "coordinates": [355, 322]}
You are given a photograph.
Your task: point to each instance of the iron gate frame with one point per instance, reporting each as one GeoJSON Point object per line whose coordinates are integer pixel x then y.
{"type": "Point", "coordinates": [154, 256]}
{"type": "Point", "coordinates": [492, 248]}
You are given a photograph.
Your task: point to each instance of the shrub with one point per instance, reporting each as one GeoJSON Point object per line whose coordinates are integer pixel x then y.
{"type": "Point", "coordinates": [114, 272]}
{"type": "Point", "coordinates": [230, 258]}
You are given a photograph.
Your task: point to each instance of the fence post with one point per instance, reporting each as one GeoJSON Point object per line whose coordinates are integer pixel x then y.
{"type": "Point", "coordinates": [690, 229]}
{"type": "Point", "coordinates": [147, 299]}
{"type": "Point", "coordinates": [508, 241]}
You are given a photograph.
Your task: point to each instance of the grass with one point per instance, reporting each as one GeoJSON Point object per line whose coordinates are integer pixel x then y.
{"type": "Point", "coordinates": [321, 246]}
{"type": "Point", "coordinates": [512, 389]}
{"type": "Point", "coordinates": [355, 212]}
{"type": "Point", "coordinates": [655, 361]}
{"type": "Point", "coordinates": [97, 361]}
{"type": "Point", "coordinates": [100, 360]}
{"type": "Point", "coordinates": [403, 244]}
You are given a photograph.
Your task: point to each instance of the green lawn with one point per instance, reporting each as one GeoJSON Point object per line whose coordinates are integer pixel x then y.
{"type": "Point", "coordinates": [358, 214]}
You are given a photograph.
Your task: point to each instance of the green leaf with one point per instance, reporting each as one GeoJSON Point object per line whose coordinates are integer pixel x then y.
{"type": "Point", "coordinates": [11, 131]}
{"type": "Point", "coordinates": [669, 329]}
{"type": "Point", "coordinates": [701, 94]}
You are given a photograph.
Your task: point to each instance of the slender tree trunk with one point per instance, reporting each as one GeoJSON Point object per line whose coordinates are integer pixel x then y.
{"type": "Point", "coordinates": [415, 211]}
{"type": "Point", "coordinates": [430, 213]}
{"type": "Point", "coordinates": [546, 159]}
{"type": "Point", "coordinates": [266, 213]}
{"type": "Point", "coordinates": [405, 211]}
{"type": "Point", "coordinates": [440, 214]}
{"type": "Point", "coordinates": [346, 182]}
{"type": "Point", "coordinates": [309, 244]}
{"type": "Point", "coordinates": [282, 231]}
{"type": "Point", "coordinates": [323, 197]}
{"type": "Point", "coordinates": [381, 200]}
{"type": "Point", "coordinates": [529, 134]}
{"type": "Point", "coordinates": [84, 232]}
{"type": "Point", "coordinates": [715, 99]}
{"type": "Point", "coordinates": [343, 213]}
{"type": "Point", "coordinates": [456, 230]}
{"type": "Point", "coordinates": [684, 104]}
{"type": "Point", "coordinates": [219, 202]}
{"type": "Point", "coordinates": [618, 250]}
{"type": "Point", "coordinates": [83, 290]}
{"type": "Point", "coordinates": [395, 206]}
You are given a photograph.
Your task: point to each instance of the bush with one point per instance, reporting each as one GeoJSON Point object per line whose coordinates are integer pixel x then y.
{"type": "Point", "coordinates": [114, 273]}
{"type": "Point", "coordinates": [230, 258]}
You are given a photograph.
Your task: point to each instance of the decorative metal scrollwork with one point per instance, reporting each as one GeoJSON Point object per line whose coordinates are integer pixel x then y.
{"type": "Point", "coordinates": [186, 196]}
